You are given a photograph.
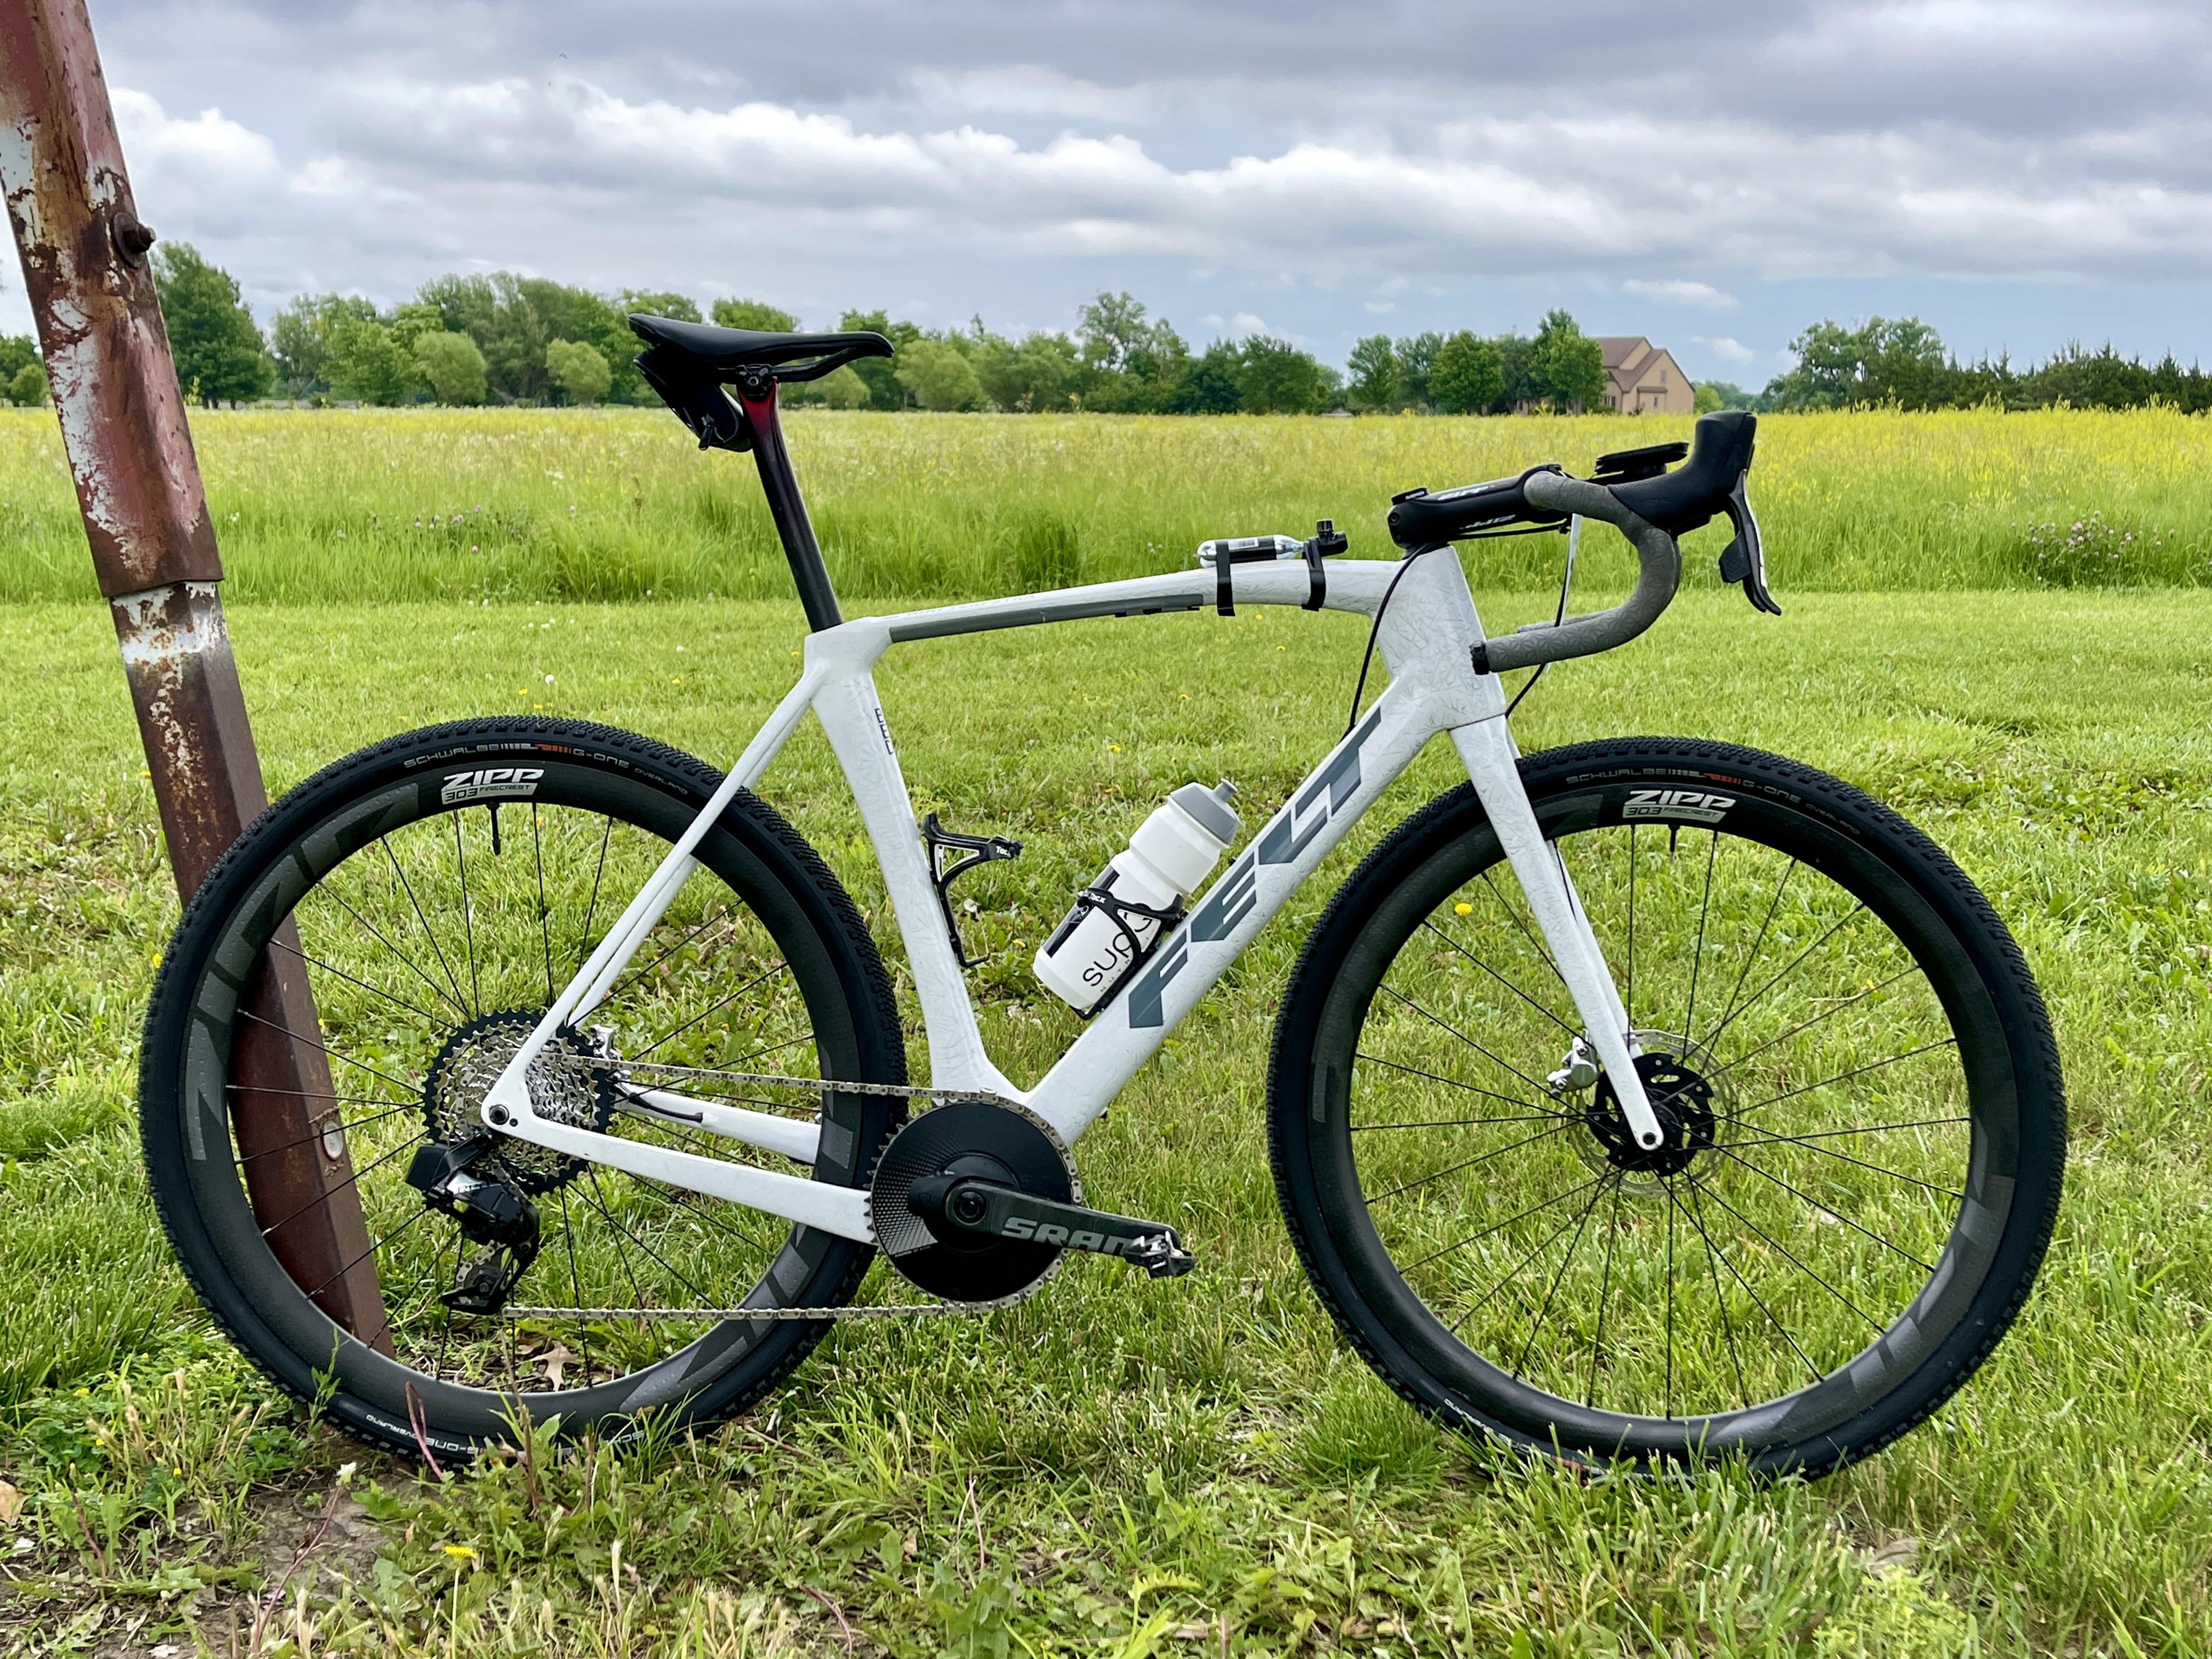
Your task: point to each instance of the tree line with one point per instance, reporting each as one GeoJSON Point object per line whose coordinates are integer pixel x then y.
{"type": "Point", "coordinates": [507, 339]}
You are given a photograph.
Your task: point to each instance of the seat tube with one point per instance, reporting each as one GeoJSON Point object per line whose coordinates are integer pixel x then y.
{"type": "Point", "coordinates": [756, 396]}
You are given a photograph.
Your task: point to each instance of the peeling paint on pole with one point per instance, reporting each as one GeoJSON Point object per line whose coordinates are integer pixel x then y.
{"type": "Point", "coordinates": [153, 548]}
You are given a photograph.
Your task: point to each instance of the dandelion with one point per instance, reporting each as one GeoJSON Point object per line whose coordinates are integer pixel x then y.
{"type": "Point", "coordinates": [459, 1551]}
{"type": "Point", "coordinates": [1462, 908]}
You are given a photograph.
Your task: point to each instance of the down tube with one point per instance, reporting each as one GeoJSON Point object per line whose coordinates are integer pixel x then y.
{"type": "Point", "coordinates": [1259, 879]}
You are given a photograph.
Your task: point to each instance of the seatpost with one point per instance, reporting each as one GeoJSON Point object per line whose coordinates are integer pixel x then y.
{"type": "Point", "coordinates": [756, 396]}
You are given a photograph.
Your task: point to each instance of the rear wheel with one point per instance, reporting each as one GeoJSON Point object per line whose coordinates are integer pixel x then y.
{"type": "Point", "coordinates": [438, 891]}
{"type": "Point", "coordinates": [1864, 1122]}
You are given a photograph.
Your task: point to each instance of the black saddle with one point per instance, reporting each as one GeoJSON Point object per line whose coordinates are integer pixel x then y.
{"type": "Point", "coordinates": [688, 363]}
{"type": "Point", "coordinates": [733, 353]}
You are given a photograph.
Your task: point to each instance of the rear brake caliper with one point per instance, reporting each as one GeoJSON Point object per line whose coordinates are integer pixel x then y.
{"type": "Point", "coordinates": [491, 1212]}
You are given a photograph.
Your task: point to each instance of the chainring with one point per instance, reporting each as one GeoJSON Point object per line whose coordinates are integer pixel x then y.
{"type": "Point", "coordinates": [1007, 1143]}
{"type": "Point", "coordinates": [570, 1082]}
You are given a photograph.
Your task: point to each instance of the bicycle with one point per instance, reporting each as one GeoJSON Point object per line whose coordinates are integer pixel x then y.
{"type": "Point", "coordinates": [1731, 1126]}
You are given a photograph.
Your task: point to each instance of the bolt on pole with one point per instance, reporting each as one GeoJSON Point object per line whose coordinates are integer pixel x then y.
{"type": "Point", "coordinates": [122, 414]}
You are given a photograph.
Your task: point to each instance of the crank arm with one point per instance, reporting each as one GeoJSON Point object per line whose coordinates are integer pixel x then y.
{"type": "Point", "coordinates": [963, 1204]}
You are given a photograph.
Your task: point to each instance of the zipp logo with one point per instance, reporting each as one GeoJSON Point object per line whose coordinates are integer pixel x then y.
{"type": "Point", "coordinates": [1697, 806]}
{"type": "Point", "coordinates": [489, 782]}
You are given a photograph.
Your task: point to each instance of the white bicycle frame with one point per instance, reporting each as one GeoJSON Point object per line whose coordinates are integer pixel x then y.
{"type": "Point", "coordinates": [1428, 633]}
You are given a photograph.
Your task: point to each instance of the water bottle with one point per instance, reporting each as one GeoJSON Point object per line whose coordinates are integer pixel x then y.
{"type": "Point", "coordinates": [1166, 861]}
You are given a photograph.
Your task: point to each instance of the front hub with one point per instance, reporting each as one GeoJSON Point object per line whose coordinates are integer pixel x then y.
{"type": "Point", "coordinates": [1682, 1097]}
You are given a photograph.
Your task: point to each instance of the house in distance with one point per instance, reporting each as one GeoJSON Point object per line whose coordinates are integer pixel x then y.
{"type": "Point", "coordinates": [1642, 378]}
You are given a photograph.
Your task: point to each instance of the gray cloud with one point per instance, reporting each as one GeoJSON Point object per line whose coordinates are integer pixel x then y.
{"type": "Point", "coordinates": [1323, 165]}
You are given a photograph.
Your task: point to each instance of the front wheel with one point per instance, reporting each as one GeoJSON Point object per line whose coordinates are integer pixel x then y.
{"type": "Point", "coordinates": [1865, 1126]}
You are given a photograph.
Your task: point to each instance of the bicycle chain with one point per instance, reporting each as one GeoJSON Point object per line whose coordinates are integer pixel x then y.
{"type": "Point", "coordinates": [823, 1086]}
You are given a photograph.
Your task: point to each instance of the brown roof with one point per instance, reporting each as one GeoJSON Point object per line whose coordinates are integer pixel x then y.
{"type": "Point", "coordinates": [1619, 349]}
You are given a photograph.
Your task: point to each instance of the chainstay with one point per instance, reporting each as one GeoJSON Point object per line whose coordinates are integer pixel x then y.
{"type": "Point", "coordinates": [771, 1080]}
{"type": "Point", "coordinates": [822, 1086]}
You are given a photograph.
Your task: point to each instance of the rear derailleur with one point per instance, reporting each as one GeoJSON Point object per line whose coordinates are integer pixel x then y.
{"type": "Point", "coordinates": [491, 1213]}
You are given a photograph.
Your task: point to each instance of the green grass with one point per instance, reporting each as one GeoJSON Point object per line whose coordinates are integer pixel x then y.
{"type": "Point", "coordinates": [1118, 1467]}
{"type": "Point", "coordinates": [614, 504]}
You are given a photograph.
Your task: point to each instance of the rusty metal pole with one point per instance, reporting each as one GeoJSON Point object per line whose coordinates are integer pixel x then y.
{"type": "Point", "coordinates": [153, 549]}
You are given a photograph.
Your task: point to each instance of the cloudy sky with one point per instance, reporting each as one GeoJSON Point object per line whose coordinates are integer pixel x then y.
{"type": "Point", "coordinates": [1714, 175]}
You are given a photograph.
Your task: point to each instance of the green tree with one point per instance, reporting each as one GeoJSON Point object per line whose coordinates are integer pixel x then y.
{"type": "Point", "coordinates": [755, 313]}
{"type": "Point", "coordinates": [27, 386]}
{"type": "Point", "coordinates": [939, 375]}
{"type": "Point", "coordinates": [881, 374]}
{"type": "Point", "coordinates": [1039, 373]}
{"type": "Point", "coordinates": [1274, 377]}
{"type": "Point", "coordinates": [839, 389]}
{"type": "Point", "coordinates": [1372, 373]}
{"type": "Point", "coordinates": [300, 334]}
{"type": "Point", "coordinates": [19, 355]}
{"type": "Point", "coordinates": [1417, 355]}
{"type": "Point", "coordinates": [643, 302]}
{"type": "Point", "coordinates": [1209, 384]}
{"type": "Point", "coordinates": [1566, 367]}
{"type": "Point", "coordinates": [366, 362]}
{"type": "Point", "coordinates": [579, 369]}
{"type": "Point", "coordinates": [1516, 366]}
{"type": "Point", "coordinates": [220, 355]}
{"type": "Point", "coordinates": [452, 365]}
{"type": "Point", "coordinates": [1466, 376]}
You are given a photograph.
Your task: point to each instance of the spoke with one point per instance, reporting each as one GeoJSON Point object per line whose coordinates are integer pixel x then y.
{"type": "Point", "coordinates": [713, 1008]}
{"type": "Point", "coordinates": [1458, 1122]}
{"type": "Point", "coordinates": [468, 919]}
{"type": "Point", "coordinates": [1755, 999]}
{"type": "Point", "coordinates": [1808, 1024]}
{"type": "Point", "coordinates": [326, 1196]}
{"type": "Point", "coordinates": [774, 1048]}
{"type": "Point", "coordinates": [1499, 977]}
{"type": "Point", "coordinates": [1698, 950]}
{"type": "Point", "coordinates": [1826, 1209]}
{"type": "Point", "coordinates": [1806, 1141]}
{"type": "Point", "coordinates": [1544, 1312]}
{"type": "Point", "coordinates": [339, 899]}
{"type": "Point", "coordinates": [1720, 1296]}
{"type": "Point", "coordinates": [1812, 1371]}
{"type": "Point", "coordinates": [1718, 1197]}
{"type": "Point", "coordinates": [1392, 992]}
{"type": "Point", "coordinates": [1451, 1083]}
{"type": "Point", "coordinates": [308, 1094]}
{"type": "Point", "coordinates": [1870, 1129]}
{"type": "Point", "coordinates": [1477, 1237]}
{"type": "Point", "coordinates": [404, 1088]}
{"type": "Point", "coordinates": [270, 1152]}
{"type": "Point", "coordinates": [1515, 917]}
{"type": "Point", "coordinates": [700, 1296]}
{"type": "Point", "coordinates": [545, 919]}
{"type": "Point", "coordinates": [1469, 1163]}
{"type": "Point", "coordinates": [364, 1256]}
{"type": "Point", "coordinates": [436, 948]}
{"type": "Point", "coordinates": [575, 1281]}
{"type": "Point", "coordinates": [340, 973]}
{"type": "Point", "coordinates": [1856, 1071]}
{"type": "Point", "coordinates": [1542, 1245]}
{"type": "Point", "coordinates": [637, 974]}
{"type": "Point", "coordinates": [1773, 908]}
{"type": "Point", "coordinates": [584, 939]}
{"type": "Point", "coordinates": [1604, 1284]}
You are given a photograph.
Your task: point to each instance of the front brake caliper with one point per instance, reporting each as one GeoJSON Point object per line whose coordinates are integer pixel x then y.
{"type": "Point", "coordinates": [1577, 1071]}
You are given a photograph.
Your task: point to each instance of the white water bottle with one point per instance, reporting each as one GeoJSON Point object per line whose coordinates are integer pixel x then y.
{"type": "Point", "coordinates": [1167, 860]}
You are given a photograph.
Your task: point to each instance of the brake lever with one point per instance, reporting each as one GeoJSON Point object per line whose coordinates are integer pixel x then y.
{"type": "Point", "coordinates": [1743, 560]}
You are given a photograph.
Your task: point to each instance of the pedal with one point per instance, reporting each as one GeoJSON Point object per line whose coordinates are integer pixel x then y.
{"type": "Point", "coordinates": [963, 1204]}
{"type": "Point", "coordinates": [491, 1213]}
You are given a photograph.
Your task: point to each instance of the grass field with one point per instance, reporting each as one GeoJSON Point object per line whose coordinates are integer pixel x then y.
{"type": "Point", "coordinates": [1118, 1467]}
{"type": "Point", "coordinates": [615, 504]}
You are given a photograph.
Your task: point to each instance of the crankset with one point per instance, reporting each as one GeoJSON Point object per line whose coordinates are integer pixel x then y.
{"type": "Point", "coordinates": [978, 1200]}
